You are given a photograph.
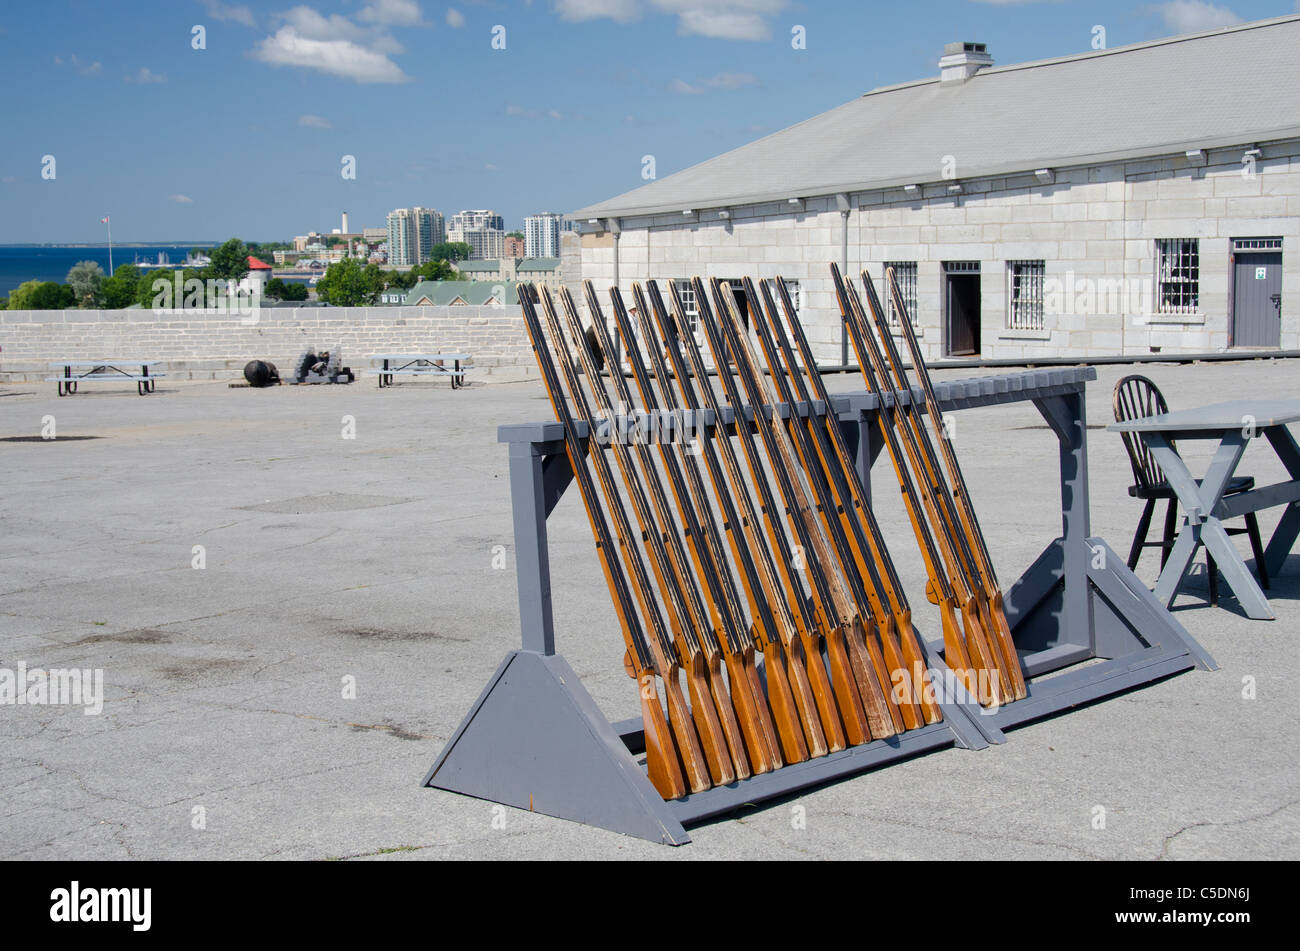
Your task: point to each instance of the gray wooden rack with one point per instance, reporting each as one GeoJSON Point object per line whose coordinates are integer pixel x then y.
{"type": "Point", "coordinates": [535, 739]}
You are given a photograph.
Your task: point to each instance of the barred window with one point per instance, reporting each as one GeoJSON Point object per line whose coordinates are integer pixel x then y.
{"type": "Point", "coordinates": [905, 274]}
{"type": "Point", "coordinates": [689, 305]}
{"type": "Point", "coordinates": [1025, 294]}
{"type": "Point", "coordinates": [1178, 275]}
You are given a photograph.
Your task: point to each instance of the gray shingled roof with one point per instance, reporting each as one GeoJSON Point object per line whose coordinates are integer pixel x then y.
{"type": "Point", "coordinates": [473, 293]}
{"type": "Point", "coordinates": [1226, 87]}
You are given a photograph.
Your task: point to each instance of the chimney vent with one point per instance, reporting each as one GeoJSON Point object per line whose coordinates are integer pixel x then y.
{"type": "Point", "coordinates": [961, 61]}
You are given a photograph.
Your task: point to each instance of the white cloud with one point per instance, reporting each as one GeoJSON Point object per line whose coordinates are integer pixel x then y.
{"type": "Point", "coordinates": [1193, 16]}
{"type": "Point", "coordinates": [86, 69]}
{"type": "Point", "coordinates": [314, 122]}
{"type": "Point", "coordinates": [228, 13]}
{"type": "Point", "coordinates": [146, 76]}
{"type": "Point", "coordinates": [620, 11]}
{"type": "Point", "coordinates": [181, 199]}
{"type": "Point", "coordinates": [720, 19]}
{"type": "Point", "coordinates": [521, 112]}
{"type": "Point", "coordinates": [732, 80]}
{"type": "Point", "coordinates": [392, 13]}
{"type": "Point", "coordinates": [338, 57]}
{"type": "Point", "coordinates": [338, 46]}
{"type": "Point", "coordinates": [723, 19]}
{"type": "Point", "coordinates": [720, 81]}
{"type": "Point", "coordinates": [314, 25]}
{"type": "Point", "coordinates": [456, 19]}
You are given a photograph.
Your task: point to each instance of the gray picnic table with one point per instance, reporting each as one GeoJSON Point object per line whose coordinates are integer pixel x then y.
{"type": "Point", "coordinates": [420, 364]}
{"type": "Point", "coordinates": [1234, 424]}
{"type": "Point", "coordinates": [97, 371]}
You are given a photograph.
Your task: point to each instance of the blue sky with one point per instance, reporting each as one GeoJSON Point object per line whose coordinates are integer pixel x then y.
{"type": "Point", "coordinates": [246, 136]}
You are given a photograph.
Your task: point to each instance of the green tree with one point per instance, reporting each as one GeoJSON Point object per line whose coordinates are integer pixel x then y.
{"type": "Point", "coordinates": [119, 290]}
{"type": "Point", "coordinates": [229, 262]}
{"type": "Point", "coordinates": [450, 251]}
{"type": "Point", "coordinates": [347, 284]}
{"type": "Point", "coordinates": [293, 290]}
{"type": "Point", "coordinates": [515, 234]}
{"type": "Point", "coordinates": [86, 278]}
{"type": "Point", "coordinates": [20, 297]}
{"type": "Point", "coordinates": [435, 271]}
{"type": "Point", "coordinates": [274, 289]}
{"type": "Point", "coordinates": [402, 279]}
{"type": "Point", "coordinates": [145, 294]}
{"type": "Point", "coordinates": [41, 295]}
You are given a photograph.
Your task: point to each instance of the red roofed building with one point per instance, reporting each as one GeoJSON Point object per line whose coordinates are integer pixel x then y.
{"type": "Point", "coordinates": [254, 283]}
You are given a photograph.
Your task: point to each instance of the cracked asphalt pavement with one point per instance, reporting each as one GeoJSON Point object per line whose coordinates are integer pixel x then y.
{"type": "Point", "coordinates": [285, 699]}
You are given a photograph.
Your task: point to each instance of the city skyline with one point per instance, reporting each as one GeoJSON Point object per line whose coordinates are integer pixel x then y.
{"type": "Point", "coordinates": [245, 119]}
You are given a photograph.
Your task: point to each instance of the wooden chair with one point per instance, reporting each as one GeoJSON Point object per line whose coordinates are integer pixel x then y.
{"type": "Point", "coordinates": [1135, 397]}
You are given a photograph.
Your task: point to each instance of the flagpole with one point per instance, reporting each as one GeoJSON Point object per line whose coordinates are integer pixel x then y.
{"type": "Point", "coordinates": [108, 220]}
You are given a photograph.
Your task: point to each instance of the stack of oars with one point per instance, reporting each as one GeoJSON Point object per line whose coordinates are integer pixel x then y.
{"type": "Point", "coordinates": [725, 537]}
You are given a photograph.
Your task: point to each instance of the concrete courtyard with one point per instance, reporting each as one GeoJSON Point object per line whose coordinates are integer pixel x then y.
{"type": "Point", "coordinates": [328, 561]}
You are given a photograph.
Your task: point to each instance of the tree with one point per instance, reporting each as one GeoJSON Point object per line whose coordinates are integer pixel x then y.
{"type": "Point", "coordinates": [86, 278]}
{"type": "Point", "coordinates": [41, 295]}
{"type": "Point", "coordinates": [293, 290]}
{"type": "Point", "coordinates": [402, 279]}
{"type": "Point", "coordinates": [347, 284]}
{"type": "Point", "coordinates": [515, 234]}
{"type": "Point", "coordinates": [450, 251]}
{"type": "Point", "coordinates": [229, 262]}
{"type": "Point", "coordinates": [435, 271]}
{"type": "Point", "coordinates": [21, 295]}
{"type": "Point", "coordinates": [279, 289]}
{"type": "Point", "coordinates": [145, 294]}
{"type": "Point", "coordinates": [118, 291]}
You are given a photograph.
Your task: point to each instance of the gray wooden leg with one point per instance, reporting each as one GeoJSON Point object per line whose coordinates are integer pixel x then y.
{"type": "Point", "coordinates": [1201, 526]}
{"type": "Point", "coordinates": [532, 562]}
{"type": "Point", "coordinates": [1288, 529]}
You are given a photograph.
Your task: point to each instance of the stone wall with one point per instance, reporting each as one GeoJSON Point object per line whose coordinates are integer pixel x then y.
{"type": "Point", "coordinates": [1093, 224]}
{"type": "Point", "coordinates": [207, 345]}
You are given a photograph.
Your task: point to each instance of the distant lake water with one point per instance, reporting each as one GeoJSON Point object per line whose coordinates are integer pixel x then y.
{"type": "Point", "coordinates": [34, 263]}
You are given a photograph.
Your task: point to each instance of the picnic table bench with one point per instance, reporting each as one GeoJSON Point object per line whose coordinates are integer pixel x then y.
{"type": "Point", "coordinates": [1232, 424]}
{"type": "Point", "coordinates": [96, 371]}
{"type": "Point", "coordinates": [420, 364]}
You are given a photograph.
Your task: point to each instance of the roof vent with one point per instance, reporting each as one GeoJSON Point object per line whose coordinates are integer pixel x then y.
{"type": "Point", "coordinates": [961, 61]}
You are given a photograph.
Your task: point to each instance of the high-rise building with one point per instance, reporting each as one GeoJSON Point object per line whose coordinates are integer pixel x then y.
{"type": "Point", "coordinates": [483, 230]}
{"type": "Point", "coordinates": [514, 247]}
{"type": "Point", "coordinates": [473, 220]}
{"type": "Point", "coordinates": [542, 235]}
{"type": "Point", "coordinates": [485, 244]}
{"type": "Point", "coordinates": [412, 233]}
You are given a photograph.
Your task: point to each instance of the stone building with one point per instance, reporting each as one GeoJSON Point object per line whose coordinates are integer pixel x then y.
{"type": "Point", "coordinates": [537, 270]}
{"type": "Point", "coordinates": [1129, 201]}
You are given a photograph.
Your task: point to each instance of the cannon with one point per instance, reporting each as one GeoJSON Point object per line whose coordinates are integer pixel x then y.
{"type": "Point", "coordinates": [323, 367]}
{"type": "Point", "coordinates": [260, 373]}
